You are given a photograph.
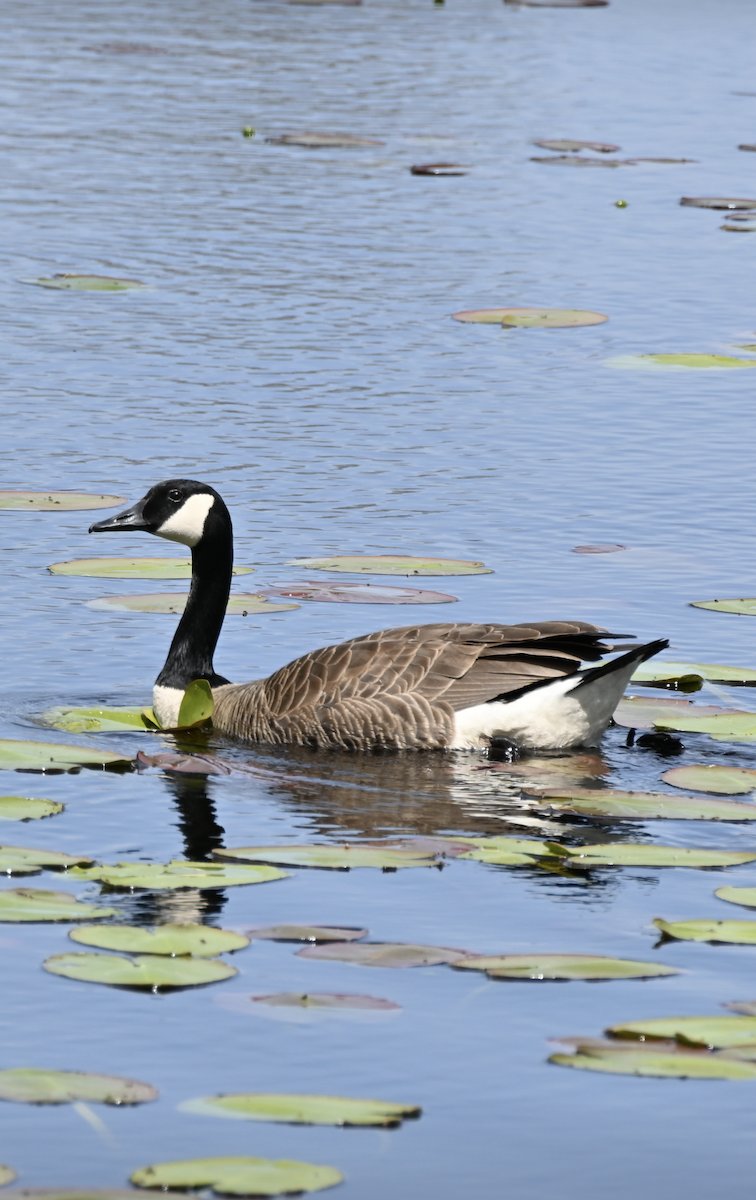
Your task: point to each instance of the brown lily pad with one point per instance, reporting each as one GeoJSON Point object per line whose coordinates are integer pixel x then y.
{"type": "Point", "coordinates": [308, 933]}
{"type": "Point", "coordinates": [307, 1007]}
{"type": "Point", "coordinates": [356, 593]}
{"type": "Point", "coordinates": [443, 168]}
{"type": "Point", "coordinates": [717, 202]}
{"type": "Point", "coordinates": [573, 144]}
{"type": "Point", "coordinates": [384, 954]}
{"type": "Point", "coordinates": [322, 141]}
{"type": "Point", "coordinates": [574, 160]}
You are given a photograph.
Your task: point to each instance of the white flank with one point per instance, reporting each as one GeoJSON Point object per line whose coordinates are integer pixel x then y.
{"type": "Point", "coordinates": [166, 702]}
{"type": "Point", "coordinates": [188, 522]}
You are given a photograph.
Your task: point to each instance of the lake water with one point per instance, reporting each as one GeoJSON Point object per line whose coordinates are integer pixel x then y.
{"type": "Point", "coordinates": [294, 349]}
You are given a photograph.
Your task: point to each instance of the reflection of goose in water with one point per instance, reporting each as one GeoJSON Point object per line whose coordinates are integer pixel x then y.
{"type": "Point", "coordinates": [446, 685]}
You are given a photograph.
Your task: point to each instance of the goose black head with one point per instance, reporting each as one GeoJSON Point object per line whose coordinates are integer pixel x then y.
{"type": "Point", "coordinates": [181, 510]}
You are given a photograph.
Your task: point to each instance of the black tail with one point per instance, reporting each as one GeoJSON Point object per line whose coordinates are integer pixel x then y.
{"type": "Point", "coordinates": [635, 657]}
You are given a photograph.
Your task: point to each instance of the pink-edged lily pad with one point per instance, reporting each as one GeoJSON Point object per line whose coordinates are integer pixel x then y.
{"type": "Point", "coordinates": [384, 954]}
{"type": "Point", "coordinates": [355, 593]}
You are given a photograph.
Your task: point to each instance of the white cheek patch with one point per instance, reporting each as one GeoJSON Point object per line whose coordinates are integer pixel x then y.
{"type": "Point", "coordinates": [188, 522]}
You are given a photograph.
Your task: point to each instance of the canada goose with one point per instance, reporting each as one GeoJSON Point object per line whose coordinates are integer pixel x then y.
{"type": "Point", "coordinates": [446, 685]}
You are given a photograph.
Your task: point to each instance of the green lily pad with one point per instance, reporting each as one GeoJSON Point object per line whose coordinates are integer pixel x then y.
{"type": "Point", "coordinates": [725, 726]}
{"type": "Point", "coordinates": [645, 806]}
{"type": "Point", "coordinates": [623, 854]}
{"type": "Point", "coordinates": [534, 318]}
{"type": "Point", "coordinates": [320, 141]}
{"type": "Point", "coordinates": [504, 851]}
{"type": "Point", "coordinates": [19, 860]}
{"type": "Point", "coordinates": [131, 568]}
{"type": "Point", "coordinates": [130, 876]}
{"type": "Point", "coordinates": [238, 1176]}
{"type": "Point", "coordinates": [728, 781]}
{"type": "Point", "coordinates": [98, 720]}
{"type": "Point", "coordinates": [32, 904]}
{"type": "Point", "coordinates": [200, 941]}
{"type": "Point", "coordinates": [56, 501]}
{"type": "Point", "coordinates": [7, 1175]}
{"type": "Point", "coordinates": [391, 564]}
{"type": "Point", "coordinates": [717, 202]}
{"type": "Point", "coordinates": [572, 144]}
{"type": "Point", "coordinates": [646, 712]}
{"type": "Point", "coordinates": [308, 1007]}
{"type": "Point", "coordinates": [22, 808]}
{"type": "Point", "coordinates": [356, 593]}
{"type": "Point", "coordinates": [741, 933]}
{"type": "Point", "coordinates": [70, 1194]}
{"type": "Point", "coordinates": [28, 1085]}
{"type": "Point", "coordinates": [680, 361]}
{"type": "Point", "coordinates": [744, 607]}
{"type": "Point", "coordinates": [668, 1066]}
{"type": "Point", "coordinates": [715, 1032]}
{"type": "Point", "coordinates": [308, 933]}
{"type": "Point", "coordinates": [54, 756]}
{"type": "Point", "coordinates": [196, 705]}
{"type": "Point", "coordinates": [86, 283]}
{"type": "Point", "coordinates": [239, 604]}
{"type": "Point", "coordinates": [384, 954]}
{"type": "Point", "coordinates": [651, 672]}
{"type": "Point", "coordinates": [736, 895]}
{"type": "Point", "coordinates": [302, 1110]}
{"type": "Point", "coordinates": [561, 966]}
{"type": "Point", "coordinates": [334, 858]}
{"type": "Point", "coordinates": [145, 971]}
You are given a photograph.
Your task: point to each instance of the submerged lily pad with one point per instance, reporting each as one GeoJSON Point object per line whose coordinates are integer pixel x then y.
{"type": "Point", "coordinates": [320, 141]}
{"type": "Point", "coordinates": [729, 781]}
{"type": "Point", "coordinates": [145, 971]}
{"type": "Point", "coordinates": [645, 712]}
{"type": "Point", "coordinates": [56, 501]}
{"type": "Point", "coordinates": [391, 564]}
{"type": "Point", "coordinates": [356, 593]}
{"type": "Point", "coordinates": [533, 318]}
{"type": "Point", "coordinates": [334, 858]}
{"type": "Point", "coordinates": [624, 854]}
{"type": "Point", "coordinates": [21, 808]}
{"type": "Point", "coordinates": [645, 806]}
{"type": "Point", "coordinates": [574, 145]}
{"type": "Point", "coordinates": [33, 904]}
{"type": "Point", "coordinates": [658, 1065]}
{"type": "Point", "coordinates": [238, 1176]}
{"type": "Point", "coordinates": [200, 941]}
{"type": "Point", "coordinates": [302, 1110]}
{"type": "Point", "coordinates": [561, 966]}
{"type": "Point", "coordinates": [650, 672]}
{"type": "Point", "coordinates": [717, 202]}
{"type": "Point", "coordinates": [29, 1085]}
{"type": "Point", "coordinates": [7, 1175]}
{"type": "Point", "coordinates": [738, 932]}
{"type": "Point", "coordinates": [131, 568]}
{"type": "Point", "coordinates": [174, 602]}
{"type": "Point", "coordinates": [15, 859]}
{"type": "Point", "coordinates": [715, 1032]}
{"type": "Point", "coordinates": [54, 756]}
{"type": "Point", "coordinates": [384, 954]}
{"type": "Point", "coordinates": [308, 933]}
{"type": "Point", "coordinates": [735, 895]}
{"type": "Point", "coordinates": [574, 160]}
{"type": "Point", "coordinates": [177, 874]}
{"type": "Point", "coordinates": [306, 1007]}
{"type": "Point", "coordinates": [69, 281]}
{"type": "Point", "coordinates": [746, 607]}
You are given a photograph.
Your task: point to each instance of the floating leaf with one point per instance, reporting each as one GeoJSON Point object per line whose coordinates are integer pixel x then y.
{"type": "Point", "coordinates": [124, 48]}
{"type": "Point", "coordinates": [738, 932]}
{"type": "Point", "coordinates": [606, 549]}
{"type": "Point", "coordinates": [86, 283]}
{"type": "Point", "coordinates": [56, 501]}
{"type": "Point", "coordinates": [28, 1085]}
{"type": "Point", "coordinates": [735, 895]}
{"type": "Point", "coordinates": [738, 228]}
{"type": "Point", "coordinates": [239, 604]}
{"type": "Point", "coordinates": [391, 564]}
{"type": "Point", "coordinates": [302, 1110]}
{"type": "Point", "coordinates": [145, 971]}
{"type": "Point", "coordinates": [574, 160]}
{"type": "Point", "coordinates": [715, 1032]}
{"type": "Point", "coordinates": [7, 1174]}
{"type": "Point", "coordinates": [238, 1176]}
{"type": "Point", "coordinates": [743, 1006]}
{"type": "Point", "coordinates": [663, 160]}
{"type": "Point", "coordinates": [320, 141]}
{"type": "Point", "coordinates": [201, 941]}
{"type": "Point", "coordinates": [534, 318]}
{"type": "Point", "coordinates": [384, 954]}
{"type": "Point", "coordinates": [439, 169]}
{"type": "Point", "coordinates": [717, 202]}
{"type": "Point", "coordinates": [573, 144]}
{"type": "Point", "coordinates": [645, 712]}
{"type": "Point", "coordinates": [745, 607]}
{"type": "Point", "coordinates": [645, 806]}
{"type": "Point", "coordinates": [20, 808]}
{"type": "Point", "coordinates": [309, 933]}
{"type": "Point", "coordinates": [356, 593]}
{"type": "Point", "coordinates": [661, 1065]}
{"type": "Point", "coordinates": [15, 860]}
{"type": "Point", "coordinates": [729, 781]}
{"type": "Point", "coordinates": [177, 874]}
{"type": "Point", "coordinates": [561, 966]}
{"type": "Point", "coordinates": [678, 361]}
{"type": "Point", "coordinates": [725, 725]}
{"type": "Point", "coordinates": [196, 705]}
{"type": "Point", "coordinates": [70, 1194]}
{"type": "Point", "coordinates": [504, 851]}
{"type": "Point", "coordinates": [335, 858]}
{"type": "Point", "coordinates": [650, 672]}
{"type": "Point", "coordinates": [97, 720]}
{"type": "Point", "coordinates": [32, 904]}
{"type": "Point", "coordinates": [559, 3]}
{"type": "Point", "coordinates": [131, 568]}
{"type": "Point", "coordinates": [300, 1008]}
{"type": "Point", "coordinates": [624, 854]}
{"type": "Point", "coordinates": [54, 756]}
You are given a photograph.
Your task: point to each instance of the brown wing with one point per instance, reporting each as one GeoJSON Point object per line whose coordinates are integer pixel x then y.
{"type": "Point", "coordinates": [401, 687]}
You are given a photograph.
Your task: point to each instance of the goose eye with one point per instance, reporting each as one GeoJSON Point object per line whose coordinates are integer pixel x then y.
{"type": "Point", "coordinates": [175, 496]}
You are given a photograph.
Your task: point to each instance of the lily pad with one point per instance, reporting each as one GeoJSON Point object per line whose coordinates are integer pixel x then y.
{"type": "Point", "coordinates": [644, 806]}
{"type": "Point", "coordinates": [322, 141]}
{"type": "Point", "coordinates": [729, 781]}
{"type": "Point", "coordinates": [131, 876]}
{"type": "Point", "coordinates": [28, 1085]}
{"type": "Point", "coordinates": [660, 1065]}
{"type": "Point", "coordinates": [744, 607]}
{"type": "Point", "coordinates": [334, 858]}
{"type": "Point", "coordinates": [21, 808]}
{"type": "Point", "coordinates": [151, 971]}
{"type": "Point", "coordinates": [391, 564]}
{"type": "Point", "coordinates": [573, 144]}
{"type": "Point", "coordinates": [505, 851]}
{"type": "Point", "coordinates": [574, 160]}
{"type": "Point", "coordinates": [131, 568]}
{"type": "Point", "coordinates": [717, 202]}
{"type": "Point", "coordinates": [439, 169]}
{"type": "Point", "coordinates": [561, 966]}
{"type": "Point", "coordinates": [624, 854]}
{"type": "Point", "coordinates": [651, 672]}
{"type": "Point", "coordinates": [724, 726]}
{"type": "Point", "coordinates": [679, 361]}
{"type": "Point", "coordinates": [14, 859]}
{"type": "Point", "coordinates": [98, 720]}
{"type": "Point", "coordinates": [238, 1176]}
{"type": "Point", "coordinates": [384, 954]}
{"type": "Point", "coordinates": [309, 933]}
{"type": "Point", "coordinates": [356, 593]}
{"type": "Point", "coordinates": [56, 501]}
{"type": "Point", "coordinates": [714, 1032]}
{"type": "Point", "coordinates": [300, 1008]}
{"type": "Point", "coordinates": [54, 756]}
{"type": "Point", "coordinates": [239, 604]}
{"type": "Point", "coordinates": [559, 3]}
{"type": "Point", "coordinates": [69, 281]}
{"type": "Point", "coordinates": [7, 1175]}
{"type": "Point", "coordinates": [646, 712]}
{"type": "Point", "coordinates": [70, 1193]}
{"type": "Point", "coordinates": [602, 549]}
{"type": "Point", "coordinates": [729, 228]}
{"type": "Point", "coordinates": [738, 932]}
{"type": "Point", "coordinates": [200, 941]}
{"type": "Point", "coordinates": [32, 904]}
{"type": "Point", "coordinates": [735, 895]}
{"type": "Point", "coordinates": [302, 1110]}
{"type": "Point", "coordinates": [533, 318]}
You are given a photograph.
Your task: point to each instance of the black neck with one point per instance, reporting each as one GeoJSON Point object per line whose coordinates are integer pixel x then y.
{"type": "Point", "coordinates": [191, 654]}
